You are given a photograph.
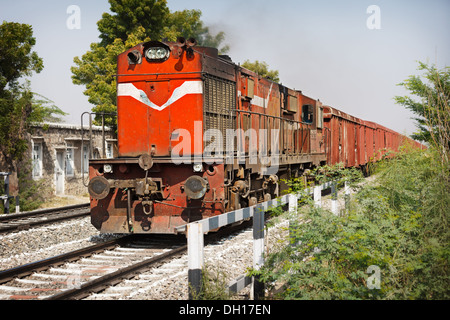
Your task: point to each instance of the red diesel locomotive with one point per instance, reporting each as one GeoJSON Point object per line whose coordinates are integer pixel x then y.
{"type": "Point", "coordinates": [199, 135]}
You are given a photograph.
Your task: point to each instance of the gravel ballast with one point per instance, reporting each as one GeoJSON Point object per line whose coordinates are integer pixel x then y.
{"type": "Point", "coordinates": [231, 257]}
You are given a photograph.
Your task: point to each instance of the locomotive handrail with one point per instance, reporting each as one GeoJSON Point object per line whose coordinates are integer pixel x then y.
{"type": "Point", "coordinates": [300, 126]}
{"type": "Point", "coordinates": [271, 116]}
{"type": "Point", "coordinates": [90, 137]}
{"type": "Point", "coordinates": [157, 74]}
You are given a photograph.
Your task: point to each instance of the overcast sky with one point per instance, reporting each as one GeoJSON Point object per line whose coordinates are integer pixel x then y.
{"type": "Point", "coordinates": [327, 49]}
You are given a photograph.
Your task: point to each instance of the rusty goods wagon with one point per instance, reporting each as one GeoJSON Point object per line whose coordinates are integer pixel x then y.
{"type": "Point", "coordinates": [355, 142]}
{"type": "Point", "coordinates": [199, 135]}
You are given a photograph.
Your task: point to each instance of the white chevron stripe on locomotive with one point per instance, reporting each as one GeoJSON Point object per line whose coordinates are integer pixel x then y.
{"type": "Point", "coordinates": [188, 87]}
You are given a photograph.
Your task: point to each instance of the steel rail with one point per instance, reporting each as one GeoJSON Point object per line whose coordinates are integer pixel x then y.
{"type": "Point", "coordinates": [6, 217]}
{"type": "Point", "coordinates": [105, 281]}
{"type": "Point", "coordinates": [27, 269]}
{"type": "Point", "coordinates": [63, 215]}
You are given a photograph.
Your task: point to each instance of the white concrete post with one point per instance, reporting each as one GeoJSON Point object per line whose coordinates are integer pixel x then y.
{"type": "Point", "coordinates": [334, 203]}
{"type": "Point", "coordinates": [347, 196]}
{"type": "Point", "coordinates": [317, 196]}
{"type": "Point", "coordinates": [195, 243]}
{"type": "Point", "coordinates": [293, 218]}
{"type": "Point", "coordinates": [292, 204]}
{"type": "Point", "coordinates": [17, 205]}
{"type": "Point", "coordinates": [258, 250]}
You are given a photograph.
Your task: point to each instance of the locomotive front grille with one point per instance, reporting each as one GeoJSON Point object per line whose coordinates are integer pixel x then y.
{"type": "Point", "coordinates": [219, 110]}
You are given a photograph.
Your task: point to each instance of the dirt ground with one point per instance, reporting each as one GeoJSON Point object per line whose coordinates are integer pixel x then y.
{"type": "Point", "coordinates": [66, 200]}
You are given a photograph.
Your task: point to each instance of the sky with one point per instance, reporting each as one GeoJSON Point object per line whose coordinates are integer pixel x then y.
{"type": "Point", "coordinates": [341, 52]}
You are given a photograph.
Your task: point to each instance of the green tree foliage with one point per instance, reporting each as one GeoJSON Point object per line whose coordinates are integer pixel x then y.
{"type": "Point", "coordinates": [430, 102]}
{"type": "Point", "coordinates": [16, 58]}
{"type": "Point", "coordinates": [187, 24]}
{"type": "Point", "coordinates": [131, 23]}
{"type": "Point", "coordinates": [96, 70]}
{"type": "Point", "coordinates": [18, 108]}
{"type": "Point", "coordinates": [128, 16]}
{"type": "Point", "coordinates": [262, 68]}
{"type": "Point", "coordinates": [45, 110]}
{"type": "Point", "coordinates": [15, 112]}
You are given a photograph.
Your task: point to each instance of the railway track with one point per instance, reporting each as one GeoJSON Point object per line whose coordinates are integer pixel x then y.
{"type": "Point", "coordinates": [79, 273]}
{"type": "Point", "coordinates": [26, 220]}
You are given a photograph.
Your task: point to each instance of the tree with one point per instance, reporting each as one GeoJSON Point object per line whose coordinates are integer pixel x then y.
{"type": "Point", "coordinates": [131, 23]}
{"type": "Point", "coordinates": [187, 24]}
{"type": "Point", "coordinates": [15, 110]}
{"type": "Point", "coordinates": [430, 104]}
{"type": "Point", "coordinates": [16, 58]}
{"type": "Point", "coordinates": [262, 68]}
{"type": "Point", "coordinates": [129, 16]}
{"type": "Point", "coordinates": [97, 68]}
{"type": "Point", "coordinates": [18, 108]}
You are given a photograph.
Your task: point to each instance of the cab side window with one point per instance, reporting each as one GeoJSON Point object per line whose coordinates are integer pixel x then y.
{"type": "Point", "coordinates": [307, 113]}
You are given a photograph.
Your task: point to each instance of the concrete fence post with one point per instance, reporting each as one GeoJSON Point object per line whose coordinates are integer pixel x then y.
{"type": "Point", "coordinates": [17, 205]}
{"type": "Point", "coordinates": [318, 196]}
{"type": "Point", "coordinates": [334, 203]}
{"type": "Point", "coordinates": [293, 218]}
{"type": "Point", "coordinates": [195, 243]}
{"type": "Point", "coordinates": [293, 204]}
{"type": "Point", "coordinates": [347, 196]}
{"type": "Point", "coordinates": [258, 251]}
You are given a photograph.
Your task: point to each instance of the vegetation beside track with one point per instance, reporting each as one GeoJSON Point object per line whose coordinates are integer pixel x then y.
{"type": "Point", "coordinates": [392, 243]}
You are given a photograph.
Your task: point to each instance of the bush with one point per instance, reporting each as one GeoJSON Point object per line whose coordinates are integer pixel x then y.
{"type": "Point", "coordinates": [31, 192]}
{"type": "Point", "coordinates": [396, 232]}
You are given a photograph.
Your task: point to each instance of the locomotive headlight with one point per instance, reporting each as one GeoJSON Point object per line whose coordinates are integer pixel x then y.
{"type": "Point", "coordinates": [195, 187]}
{"type": "Point", "coordinates": [198, 167]}
{"type": "Point", "coordinates": [157, 53]}
{"type": "Point", "coordinates": [99, 188]}
{"type": "Point", "coordinates": [107, 168]}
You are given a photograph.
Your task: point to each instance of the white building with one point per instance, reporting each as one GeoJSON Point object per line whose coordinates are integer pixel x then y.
{"type": "Point", "coordinates": [60, 154]}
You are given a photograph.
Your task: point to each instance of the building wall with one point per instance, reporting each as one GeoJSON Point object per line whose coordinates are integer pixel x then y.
{"type": "Point", "coordinates": [59, 155]}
